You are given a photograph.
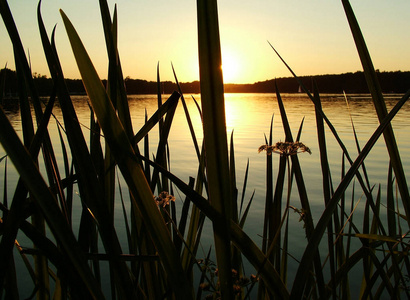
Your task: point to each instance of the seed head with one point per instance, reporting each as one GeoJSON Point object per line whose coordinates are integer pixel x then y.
{"type": "Point", "coordinates": [285, 148]}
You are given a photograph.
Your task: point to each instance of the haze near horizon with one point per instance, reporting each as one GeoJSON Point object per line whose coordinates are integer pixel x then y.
{"type": "Point", "coordinates": [312, 36]}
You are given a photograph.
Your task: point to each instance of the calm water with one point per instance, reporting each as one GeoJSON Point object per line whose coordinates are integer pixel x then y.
{"type": "Point", "coordinates": [249, 117]}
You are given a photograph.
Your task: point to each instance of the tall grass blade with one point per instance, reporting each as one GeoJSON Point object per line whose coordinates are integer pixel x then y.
{"type": "Point", "coordinates": [214, 124]}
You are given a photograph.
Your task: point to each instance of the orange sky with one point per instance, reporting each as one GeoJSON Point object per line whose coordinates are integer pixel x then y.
{"type": "Point", "coordinates": [313, 36]}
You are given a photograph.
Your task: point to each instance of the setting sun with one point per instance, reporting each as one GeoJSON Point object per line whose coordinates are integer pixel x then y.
{"type": "Point", "coordinates": [230, 67]}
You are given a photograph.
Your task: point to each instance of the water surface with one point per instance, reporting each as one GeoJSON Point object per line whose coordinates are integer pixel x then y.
{"type": "Point", "coordinates": [248, 118]}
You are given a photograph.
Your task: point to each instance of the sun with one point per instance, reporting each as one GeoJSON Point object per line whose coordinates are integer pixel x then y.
{"type": "Point", "coordinates": [230, 67]}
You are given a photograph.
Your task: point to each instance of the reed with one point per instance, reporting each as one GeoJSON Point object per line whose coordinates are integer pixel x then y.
{"type": "Point", "coordinates": [161, 257]}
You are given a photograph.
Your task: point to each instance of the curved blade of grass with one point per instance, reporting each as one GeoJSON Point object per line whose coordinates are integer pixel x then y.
{"type": "Point", "coordinates": [320, 228]}
{"type": "Point", "coordinates": [124, 154]}
{"type": "Point", "coordinates": [379, 104]}
{"type": "Point", "coordinates": [213, 109]}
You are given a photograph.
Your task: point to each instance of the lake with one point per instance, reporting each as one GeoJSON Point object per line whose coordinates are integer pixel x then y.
{"type": "Point", "coordinates": [248, 118]}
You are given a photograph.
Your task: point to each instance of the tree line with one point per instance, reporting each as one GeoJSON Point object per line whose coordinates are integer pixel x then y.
{"type": "Point", "coordinates": [351, 83]}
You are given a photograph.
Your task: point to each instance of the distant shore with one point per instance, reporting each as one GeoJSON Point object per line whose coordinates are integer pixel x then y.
{"type": "Point", "coordinates": [350, 83]}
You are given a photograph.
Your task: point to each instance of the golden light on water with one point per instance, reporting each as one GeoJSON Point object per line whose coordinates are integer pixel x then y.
{"type": "Point", "coordinates": [236, 113]}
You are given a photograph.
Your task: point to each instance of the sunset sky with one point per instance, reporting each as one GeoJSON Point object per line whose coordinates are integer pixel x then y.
{"type": "Point", "coordinates": [312, 36]}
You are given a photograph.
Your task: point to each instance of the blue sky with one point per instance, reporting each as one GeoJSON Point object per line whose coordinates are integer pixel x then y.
{"type": "Point", "coordinates": [313, 36]}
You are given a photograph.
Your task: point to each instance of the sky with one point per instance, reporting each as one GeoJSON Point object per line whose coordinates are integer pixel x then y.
{"type": "Point", "coordinates": [312, 36]}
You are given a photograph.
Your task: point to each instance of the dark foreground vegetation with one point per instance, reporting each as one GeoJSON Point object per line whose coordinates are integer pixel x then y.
{"type": "Point", "coordinates": [351, 83]}
{"type": "Point", "coordinates": [161, 259]}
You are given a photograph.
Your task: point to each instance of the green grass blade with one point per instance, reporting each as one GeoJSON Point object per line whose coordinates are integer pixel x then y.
{"type": "Point", "coordinates": [213, 109]}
